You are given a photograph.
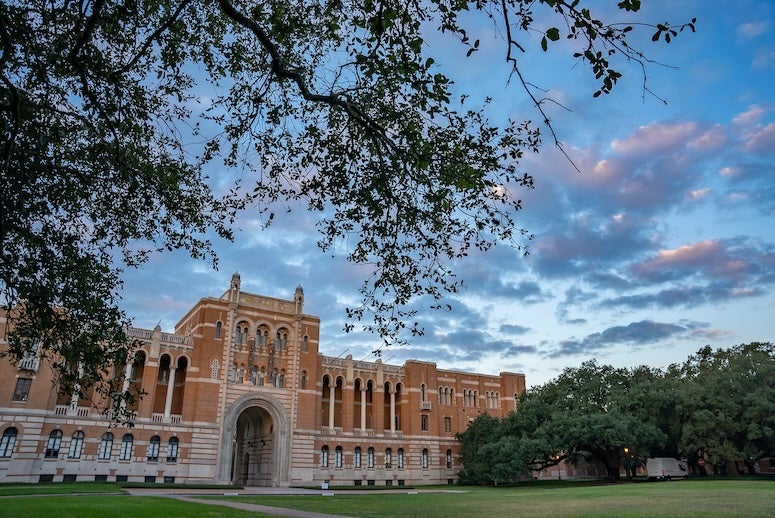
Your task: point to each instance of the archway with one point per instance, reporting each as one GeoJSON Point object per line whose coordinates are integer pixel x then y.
{"type": "Point", "coordinates": [255, 442]}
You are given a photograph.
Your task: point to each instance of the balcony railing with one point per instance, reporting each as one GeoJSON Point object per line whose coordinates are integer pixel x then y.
{"type": "Point", "coordinates": [29, 364]}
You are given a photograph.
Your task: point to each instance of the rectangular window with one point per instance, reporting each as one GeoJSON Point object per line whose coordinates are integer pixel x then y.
{"type": "Point", "coordinates": [424, 423]}
{"type": "Point", "coordinates": [357, 458]}
{"type": "Point", "coordinates": [22, 390]}
{"type": "Point", "coordinates": [448, 425]}
{"type": "Point", "coordinates": [370, 458]}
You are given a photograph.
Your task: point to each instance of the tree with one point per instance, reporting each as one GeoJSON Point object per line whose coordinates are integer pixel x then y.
{"type": "Point", "coordinates": [108, 137]}
{"type": "Point", "coordinates": [729, 408]}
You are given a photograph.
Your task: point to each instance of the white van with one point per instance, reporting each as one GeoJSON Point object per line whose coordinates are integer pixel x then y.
{"type": "Point", "coordinates": [665, 468]}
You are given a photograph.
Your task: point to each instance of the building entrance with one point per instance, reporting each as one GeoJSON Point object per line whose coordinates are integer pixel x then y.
{"type": "Point", "coordinates": [254, 447]}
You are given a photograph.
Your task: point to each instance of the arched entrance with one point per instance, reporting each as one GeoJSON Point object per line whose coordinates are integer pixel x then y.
{"type": "Point", "coordinates": [253, 448]}
{"type": "Point", "coordinates": [256, 442]}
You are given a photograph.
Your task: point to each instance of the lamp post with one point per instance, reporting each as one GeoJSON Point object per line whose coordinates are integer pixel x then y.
{"type": "Point", "coordinates": [559, 474]}
{"type": "Point", "coordinates": [627, 470]}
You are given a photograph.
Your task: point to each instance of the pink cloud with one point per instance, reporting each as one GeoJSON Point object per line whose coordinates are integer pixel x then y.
{"type": "Point", "coordinates": [750, 116]}
{"type": "Point", "coordinates": [656, 137]}
{"type": "Point", "coordinates": [762, 140]}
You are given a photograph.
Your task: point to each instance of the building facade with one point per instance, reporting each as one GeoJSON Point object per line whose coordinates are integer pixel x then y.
{"type": "Point", "coordinates": [240, 393]}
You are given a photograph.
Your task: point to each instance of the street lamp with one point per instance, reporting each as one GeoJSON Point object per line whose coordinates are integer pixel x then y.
{"type": "Point", "coordinates": [627, 470]}
{"type": "Point", "coordinates": [559, 475]}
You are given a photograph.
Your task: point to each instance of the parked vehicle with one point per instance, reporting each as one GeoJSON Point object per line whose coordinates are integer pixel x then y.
{"type": "Point", "coordinates": [665, 468]}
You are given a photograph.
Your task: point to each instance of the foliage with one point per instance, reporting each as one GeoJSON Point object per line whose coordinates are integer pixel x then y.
{"type": "Point", "coordinates": [729, 407]}
{"type": "Point", "coordinates": [114, 112]}
{"type": "Point", "coordinates": [719, 403]}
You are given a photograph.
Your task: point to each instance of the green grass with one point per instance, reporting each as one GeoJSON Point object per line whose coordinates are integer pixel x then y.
{"type": "Point", "coordinates": [104, 506]}
{"type": "Point", "coordinates": [701, 497]}
{"type": "Point", "coordinates": [681, 498]}
{"type": "Point", "coordinates": [59, 488]}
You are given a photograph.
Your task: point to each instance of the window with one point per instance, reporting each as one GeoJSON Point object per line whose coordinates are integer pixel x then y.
{"type": "Point", "coordinates": [172, 449]}
{"type": "Point", "coordinates": [214, 366]}
{"type": "Point", "coordinates": [338, 457]}
{"type": "Point", "coordinates": [400, 458]}
{"type": "Point", "coordinates": [281, 380]}
{"type": "Point", "coordinates": [388, 458]}
{"type": "Point", "coordinates": [447, 424]}
{"type": "Point", "coordinates": [425, 458]}
{"type": "Point", "coordinates": [303, 380]}
{"type": "Point", "coordinates": [52, 446]}
{"type": "Point", "coordinates": [305, 345]}
{"type": "Point", "coordinates": [106, 446]}
{"type": "Point", "coordinates": [357, 458]}
{"type": "Point", "coordinates": [424, 423]}
{"type": "Point", "coordinates": [218, 326]}
{"type": "Point", "coordinates": [153, 448]}
{"type": "Point", "coordinates": [261, 376]}
{"type": "Point", "coordinates": [8, 442]}
{"type": "Point", "coordinates": [449, 459]}
{"type": "Point", "coordinates": [76, 446]}
{"type": "Point", "coordinates": [324, 457]}
{"type": "Point", "coordinates": [370, 457]}
{"type": "Point", "coordinates": [422, 392]}
{"type": "Point", "coordinates": [22, 389]}
{"type": "Point", "coordinates": [126, 447]}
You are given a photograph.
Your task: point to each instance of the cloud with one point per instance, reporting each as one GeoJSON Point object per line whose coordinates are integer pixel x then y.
{"type": "Point", "coordinates": [761, 141]}
{"type": "Point", "coordinates": [752, 29]}
{"type": "Point", "coordinates": [635, 334]}
{"type": "Point", "coordinates": [656, 138]}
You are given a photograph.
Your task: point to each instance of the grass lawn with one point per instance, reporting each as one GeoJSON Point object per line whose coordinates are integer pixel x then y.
{"type": "Point", "coordinates": [107, 506]}
{"type": "Point", "coordinates": [702, 497]}
{"type": "Point", "coordinates": [679, 498]}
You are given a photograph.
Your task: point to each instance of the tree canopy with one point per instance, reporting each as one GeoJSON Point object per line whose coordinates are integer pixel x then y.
{"type": "Point", "coordinates": [718, 404]}
{"type": "Point", "coordinates": [116, 113]}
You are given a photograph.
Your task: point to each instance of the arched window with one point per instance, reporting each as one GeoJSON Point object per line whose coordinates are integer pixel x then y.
{"type": "Point", "coordinates": [422, 392]}
{"type": "Point", "coordinates": [338, 457]}
{"type": "Point", "coordinates": [172, 449]}
{"type": "Point", "coordinates": [370, 458]}
{"type": "Point", "coordinates": [106, 446]}
{"type": "Point", "coordinates": [126, 447]}
{"type": "Point", "coordinates": [261, 377]}
{"type": "Point", "coordinates": [324, 457]}
{"type": "Point", "coordinates": [218, 327]}
{"type": "Point", "coordinates": [153, 448]}
{"type": "Point", "coordinates": [262, 333]}
{"type": "Point", "coordinates": [253, 374]}
{"type": "Point", "coordinates": [76, 445]}
{"type": "Point", "coordinates": [425, 458]}
{"type": "Point", "coordinates": [449, 459]}
{"type": "Point", "coordinates": [8, 441]}
{"type": "Point", "coordinates": [303, 382]}
{"type": "Point", "coordinates": [53, 444]}
{"type": "Point", "coordinates": [281, 379]}
{"type": "Point", "coordinates": [400, 458]}
{"type": "Point", "coordinates": [388, 458]}
{"type": "Point", "coordinates": [357, 458]}
{"type": "Point", "coordinates": [305, 344]}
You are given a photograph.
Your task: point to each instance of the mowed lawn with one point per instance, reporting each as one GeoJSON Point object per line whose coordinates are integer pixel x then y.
{"type": "Point", "coordinates": [680, 498]}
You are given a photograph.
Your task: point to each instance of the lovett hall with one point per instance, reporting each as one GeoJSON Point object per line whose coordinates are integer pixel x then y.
{"type": "Point", "coordinates": [241, 393]}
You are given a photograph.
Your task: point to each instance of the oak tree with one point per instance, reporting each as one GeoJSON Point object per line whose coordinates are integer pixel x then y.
{"type": "Point", "coordinates": [133, 126]}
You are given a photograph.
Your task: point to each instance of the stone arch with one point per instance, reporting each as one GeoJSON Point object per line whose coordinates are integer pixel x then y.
{"type": "Point", "coordinates": [280, 445]}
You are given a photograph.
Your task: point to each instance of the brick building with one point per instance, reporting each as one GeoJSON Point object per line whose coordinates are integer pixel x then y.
{"type": "Point", "coordinates": [241, 393]}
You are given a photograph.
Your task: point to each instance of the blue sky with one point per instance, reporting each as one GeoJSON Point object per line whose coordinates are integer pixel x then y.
{"type": "Point", "coordinates": [663, 243]}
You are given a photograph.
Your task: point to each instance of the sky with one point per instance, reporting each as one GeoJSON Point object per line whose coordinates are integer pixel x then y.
{"type": "Point", "coordinates": [661, 243]}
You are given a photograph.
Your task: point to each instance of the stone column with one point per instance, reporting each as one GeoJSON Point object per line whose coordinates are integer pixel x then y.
{"type": "Point", "coordinates": [170, 389]}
